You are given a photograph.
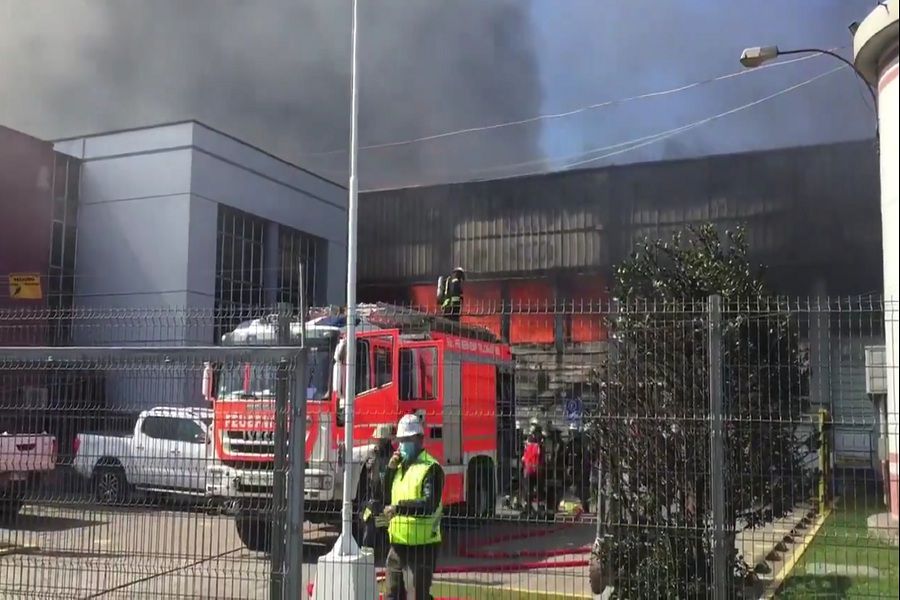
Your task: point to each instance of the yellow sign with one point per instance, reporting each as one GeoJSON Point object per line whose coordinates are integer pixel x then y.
{"type": "Point", "coordinates": [25, 286]}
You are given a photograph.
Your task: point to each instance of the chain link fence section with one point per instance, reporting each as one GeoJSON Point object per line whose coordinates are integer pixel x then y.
{"type": "Point", "coordinates": [680, 449]}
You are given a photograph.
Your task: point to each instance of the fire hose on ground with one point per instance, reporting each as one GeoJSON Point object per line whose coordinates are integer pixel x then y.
{"type": "Point", "coordinates": [472, 551]}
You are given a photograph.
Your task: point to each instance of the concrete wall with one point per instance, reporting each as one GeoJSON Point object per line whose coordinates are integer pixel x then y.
{"type": "Point", "coordinates": [876, 57]}
{"type": "Point", "coordinates": [134, 218]}
{"type": "Point", "coordinates": [26, 178]}
{"type": "Point", "coordinates": [890, 213]}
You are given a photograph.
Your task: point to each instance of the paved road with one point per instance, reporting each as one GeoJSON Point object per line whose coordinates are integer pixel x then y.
{"type": "Point", "coordinates": [89, 553]}
{"type": "Point", "coordinates": [80, 551]}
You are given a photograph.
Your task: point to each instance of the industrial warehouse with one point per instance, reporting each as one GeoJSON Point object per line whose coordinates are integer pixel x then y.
{"type": "Point", "coordinates": [210, 222]}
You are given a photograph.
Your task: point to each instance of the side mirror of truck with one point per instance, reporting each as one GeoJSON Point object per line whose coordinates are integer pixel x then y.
{"type": "Point", "coordinates": [337, 384]}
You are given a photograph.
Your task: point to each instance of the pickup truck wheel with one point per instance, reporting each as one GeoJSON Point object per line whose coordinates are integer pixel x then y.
{"type": "Point", "coordinates": [110, 485]}
{"type": "Point", "coordinates": [254, 530]}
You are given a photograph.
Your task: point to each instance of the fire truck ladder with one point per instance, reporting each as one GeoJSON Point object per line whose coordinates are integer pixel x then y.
{"type": "Point", "coordinates": [411, 321]}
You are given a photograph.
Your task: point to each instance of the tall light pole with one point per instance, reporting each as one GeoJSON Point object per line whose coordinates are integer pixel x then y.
{"type": "Point", "coordinates": [346, 572]}
{"type": "Point", "coordinates": [754, 57]}
{"type": "Point", "coordinates": [348, 545]}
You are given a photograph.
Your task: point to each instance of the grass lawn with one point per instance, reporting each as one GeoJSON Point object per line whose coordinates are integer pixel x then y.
{"type": "Point", "coordinates": [843, 561]}
{"type": "Point", "coordinates": [483, 592]}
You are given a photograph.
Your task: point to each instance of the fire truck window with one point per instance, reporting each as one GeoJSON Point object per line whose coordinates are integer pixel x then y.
{"type": "Point", "coordinates": [418, 373]}
{"type": "Point", "coordinates": [383, 368]}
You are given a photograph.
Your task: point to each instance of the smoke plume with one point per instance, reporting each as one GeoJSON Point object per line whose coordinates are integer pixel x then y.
{"type": "Point", "coordinates": [276, 73]}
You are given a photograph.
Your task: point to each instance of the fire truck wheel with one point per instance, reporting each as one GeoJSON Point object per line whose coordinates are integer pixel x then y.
{"type": "Point", "coordinates": [9, 508]}
{"type": "Point", "coordinates": [481, 495]}
{"type": "Point", "coordinates": [254, 530]}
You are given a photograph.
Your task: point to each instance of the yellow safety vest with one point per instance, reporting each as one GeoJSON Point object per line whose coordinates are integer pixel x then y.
{"type": "Point", "coordinates": [407, 485]}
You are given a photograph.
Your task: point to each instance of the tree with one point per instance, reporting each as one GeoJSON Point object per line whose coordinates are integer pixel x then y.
{"type": "Point", "coordinates": [651, 433]}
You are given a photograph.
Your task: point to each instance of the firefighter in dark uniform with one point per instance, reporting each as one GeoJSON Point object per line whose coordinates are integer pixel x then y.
{"type": "Point", "coordinates": [452, 294]}
{"type": "Point", "coordinates": [415, 482]}
{"type": "Point", "coordinates": [373, 522]}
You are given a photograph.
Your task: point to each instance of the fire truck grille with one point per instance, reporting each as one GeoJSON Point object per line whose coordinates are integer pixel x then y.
{"type": "Point", "coordinates": [250, 442]}
{"type": "Point", "coordinates": [247, 465]}
{"type": "Point", "coordinates": [254, 489]}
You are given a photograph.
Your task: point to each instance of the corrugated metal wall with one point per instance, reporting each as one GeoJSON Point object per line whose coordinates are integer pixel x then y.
{"type": "Point", "coordinates": [812, 215]}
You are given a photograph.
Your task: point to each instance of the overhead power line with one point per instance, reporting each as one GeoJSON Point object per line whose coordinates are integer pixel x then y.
{"type": "Point", "coordinates": [564, 114]}
{"type": "Point", "coordinates": [701, 122]}
{"type": "Point", "coordinates": [584, 158]}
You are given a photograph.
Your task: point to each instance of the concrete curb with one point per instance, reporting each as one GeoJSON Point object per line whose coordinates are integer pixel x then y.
{"type": "Point", "coordinates": [14, 549]}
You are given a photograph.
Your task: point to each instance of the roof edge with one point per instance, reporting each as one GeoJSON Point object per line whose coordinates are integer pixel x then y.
{"type": "Point", "coordinates": [215, 130]}
{"type": "Point", "coordinates": [612, 167]}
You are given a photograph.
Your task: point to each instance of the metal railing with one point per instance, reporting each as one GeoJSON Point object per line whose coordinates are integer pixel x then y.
{"type": "Point", "coordinates": [692, 449]}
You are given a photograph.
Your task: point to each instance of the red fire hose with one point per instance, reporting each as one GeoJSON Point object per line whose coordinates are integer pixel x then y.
{"type": "Point", "coordinates": [469, 551]}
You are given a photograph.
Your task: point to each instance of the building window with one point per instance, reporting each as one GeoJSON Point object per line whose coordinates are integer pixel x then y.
{"type": "Point", "coordinates": [296, 248]}
{"type": "Point", "coordinates": [239, 267]}
{"type": "Point", "coordinates": [61, 273]}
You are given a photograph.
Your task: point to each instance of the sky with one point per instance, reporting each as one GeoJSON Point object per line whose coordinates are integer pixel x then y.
{"type": "Point", "coordinates": [630, 49]}
{"type": "Point", "coordinates": [276, 73]}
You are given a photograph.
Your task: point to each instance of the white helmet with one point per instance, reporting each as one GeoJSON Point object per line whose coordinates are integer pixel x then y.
{"type": "Point", "coordinates": [409, 426]}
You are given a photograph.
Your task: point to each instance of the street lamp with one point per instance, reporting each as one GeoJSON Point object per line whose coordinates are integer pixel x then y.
{"type": "Point", "coordinates": [757, 55]}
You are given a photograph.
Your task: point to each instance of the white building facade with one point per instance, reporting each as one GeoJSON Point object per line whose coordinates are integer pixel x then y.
{"type": "Point", "coordinates": [876, 52]}
{"type": "Point", "coordinates": [184, 232]}
{"type": "Point", "coordinates": [182, 215]}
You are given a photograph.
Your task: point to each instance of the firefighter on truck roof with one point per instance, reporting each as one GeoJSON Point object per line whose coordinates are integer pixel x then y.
{"type": "Point", "coordinates": [450, 294]}
{"type": "Point", "coordinates": [414, 483]}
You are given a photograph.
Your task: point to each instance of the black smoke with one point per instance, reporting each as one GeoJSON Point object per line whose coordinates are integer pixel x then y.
{"type": "Point", "coordinates": [276, 73]}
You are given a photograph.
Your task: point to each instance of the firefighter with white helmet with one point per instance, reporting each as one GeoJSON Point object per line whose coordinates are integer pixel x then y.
{"type": "Point", "coordinates": [414, 483]}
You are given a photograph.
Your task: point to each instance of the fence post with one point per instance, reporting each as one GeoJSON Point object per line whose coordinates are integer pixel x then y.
{"type": "Point", "coordinates": [824, 459]}
{"type": "Point", "coordinates": [717, 451]}
{"type": "Point", "coordinates": [279, 499]}
{"type": "Point", "coordinates": [293, 584]}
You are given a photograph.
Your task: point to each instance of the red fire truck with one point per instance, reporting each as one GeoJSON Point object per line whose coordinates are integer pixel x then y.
{"type": "Point", "coordinates": [458, 379]}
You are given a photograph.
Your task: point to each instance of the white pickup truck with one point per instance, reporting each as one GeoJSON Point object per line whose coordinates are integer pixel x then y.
{"type": "Point", "coordinates": [24, 459]}
{"type": "Point", "coordinates": [168, 452]}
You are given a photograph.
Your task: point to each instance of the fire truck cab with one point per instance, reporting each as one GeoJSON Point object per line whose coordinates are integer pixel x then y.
{"type": "Point", "coordinates": [457, 379]}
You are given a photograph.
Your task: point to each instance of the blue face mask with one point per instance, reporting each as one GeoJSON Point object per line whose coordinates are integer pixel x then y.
{"type": "Point", "coordinates": [408, 450]}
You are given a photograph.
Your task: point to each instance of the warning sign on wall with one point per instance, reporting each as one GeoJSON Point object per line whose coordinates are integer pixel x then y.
{"type": "Point", "coordinates": [25, 286]}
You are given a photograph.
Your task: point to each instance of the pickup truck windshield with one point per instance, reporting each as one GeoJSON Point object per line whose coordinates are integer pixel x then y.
{"type": "Point", "coordinates": [234, 383]}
